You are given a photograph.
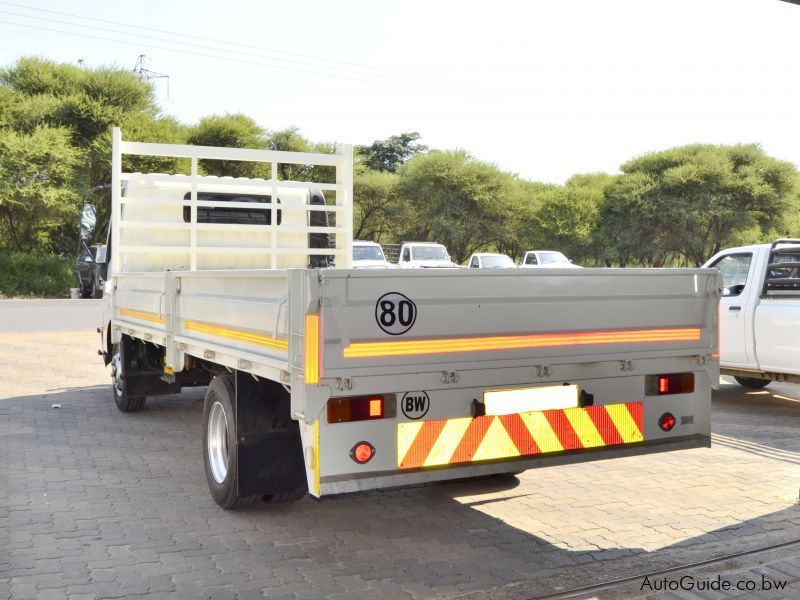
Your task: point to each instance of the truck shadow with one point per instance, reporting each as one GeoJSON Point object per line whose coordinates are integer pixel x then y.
{"type": "Point", "coordinates": [761, 422]}
{"type": "Point", "coordinates": [130, 488]}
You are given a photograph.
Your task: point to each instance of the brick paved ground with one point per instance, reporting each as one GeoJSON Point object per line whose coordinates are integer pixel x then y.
{"type": "Point", "coordinates": [98, 504]}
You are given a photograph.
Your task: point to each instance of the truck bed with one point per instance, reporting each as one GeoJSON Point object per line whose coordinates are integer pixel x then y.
{"type": "Point", "coordinates": [464, 319]}
{"type": "Point", "coordinates": [471, 331]}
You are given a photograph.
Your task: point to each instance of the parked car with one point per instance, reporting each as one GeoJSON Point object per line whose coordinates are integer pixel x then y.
{"type": "Point", "coordinates": [90, 270]}
{"type": "Point", "coordinates": [368, 255]}
{"type": "Point", "coordinates": [759, 312]}
{"type": "Point", "coordinates": [490, 260]}
{"type": "Point", "coordinates": [423, 255]}
{"type": "Point", "coordinates": [547, 259]}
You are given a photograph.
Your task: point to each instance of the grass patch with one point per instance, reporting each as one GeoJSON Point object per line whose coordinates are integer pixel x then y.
{"type": "Point", "coordinates": [37, 275]}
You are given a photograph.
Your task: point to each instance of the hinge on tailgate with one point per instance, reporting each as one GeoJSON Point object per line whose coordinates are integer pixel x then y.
{"type": "Point", "coordinates": [344, 383]}
{"type": "Point", "coordinates": [449, 377]}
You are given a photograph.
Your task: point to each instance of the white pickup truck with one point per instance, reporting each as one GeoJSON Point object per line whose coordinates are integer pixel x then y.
{"type": "Point", "coordinates": [546, 259]}
{"type": "Point", "coordinates": [330, 380]}
{"type": "Point", "coordinates": [760, 312]}
{"type": "Point", "coordinates": [420, 255]}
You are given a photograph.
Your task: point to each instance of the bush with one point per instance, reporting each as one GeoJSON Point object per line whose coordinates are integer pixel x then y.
{"type": "Point", "coordinates": [41, 275]}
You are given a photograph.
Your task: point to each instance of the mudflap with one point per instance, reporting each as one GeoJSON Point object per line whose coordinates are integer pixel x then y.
{"type": "Point", "coordinates": [270, 453]}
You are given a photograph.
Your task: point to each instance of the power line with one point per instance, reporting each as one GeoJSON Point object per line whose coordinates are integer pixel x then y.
{"type": "Point", "coordinates": [380, 70]}
{"type": "Point", "coordinates": [205, 55]}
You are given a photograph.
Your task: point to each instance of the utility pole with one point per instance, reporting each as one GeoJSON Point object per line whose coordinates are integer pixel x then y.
{"type": "Point", "coordinates": [148, 75]}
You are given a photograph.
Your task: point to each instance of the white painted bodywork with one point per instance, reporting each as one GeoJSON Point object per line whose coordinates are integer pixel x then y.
{"type": "Point", "coordinates": [254, 320]}
{"type": "Point", "coordinates": [759, 335]}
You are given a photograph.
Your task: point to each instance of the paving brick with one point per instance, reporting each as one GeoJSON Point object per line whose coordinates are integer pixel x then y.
{"type": "Point", "coordinates": [101, 504]}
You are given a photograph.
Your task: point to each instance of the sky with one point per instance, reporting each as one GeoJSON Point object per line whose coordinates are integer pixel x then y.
{"type": "Point", "coordinates": [544, 89]}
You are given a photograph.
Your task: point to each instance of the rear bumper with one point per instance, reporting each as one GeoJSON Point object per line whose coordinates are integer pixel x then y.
{"type": "Point", "coordinates": [350, 483]}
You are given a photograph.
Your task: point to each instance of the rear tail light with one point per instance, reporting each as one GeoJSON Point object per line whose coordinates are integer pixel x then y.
{"type": "Point", "coordinates": [362, 452]}
{"type": "Point", "coordinates": [667, 421]}
{"type": "Point", "coordinates": [673, 383]}
{"type": "Point", "coordinates": [361, 408]}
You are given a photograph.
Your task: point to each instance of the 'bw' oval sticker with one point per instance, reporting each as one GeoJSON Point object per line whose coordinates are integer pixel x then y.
{"type": "Point", "coordinates": [415, 405]}
{"type": "Point", "coordinates": [395, 313]}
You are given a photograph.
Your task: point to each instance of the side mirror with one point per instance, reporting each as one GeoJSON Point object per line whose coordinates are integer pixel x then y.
{"type": "Point", "coordinates": [88, 221]}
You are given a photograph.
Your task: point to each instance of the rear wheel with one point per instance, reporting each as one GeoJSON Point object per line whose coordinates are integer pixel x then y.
{"type": "Point", "coordinates": [751, 382]}
{"type": "Point", "coordinates": [123, 399]}
{"type": "Point", "coordinates": [220, 446]}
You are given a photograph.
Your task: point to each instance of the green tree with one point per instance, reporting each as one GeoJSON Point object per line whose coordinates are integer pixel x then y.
{"type": "Point", "coordinates": [86, 102]}
{"type": "Point", "coordinates": [390, 154]}
{"type": "Point", "coordinates": [520, 230]}
{"type": "Point", "coordinates": [290, 140]}
{"type": "Point", "coordinates": [566, 220]}
{"type": "Point", "coordinates": [454, 200]}
{"type": "Point", "coordinates": [378, 210]}
{"type": "Point", "coordinates": [698, 199]}
{"type": "Point", "coordinates": [38, 207]}
{"type": "Point", "coordinates": [628, 230]}
{"type": "Point", "coordinates": [230, 131]}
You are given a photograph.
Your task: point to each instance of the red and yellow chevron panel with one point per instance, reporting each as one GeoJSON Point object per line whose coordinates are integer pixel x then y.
{"type": "Point", "coordinates": [473, 439]}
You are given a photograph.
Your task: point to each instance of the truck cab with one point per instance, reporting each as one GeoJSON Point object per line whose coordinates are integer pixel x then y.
{"type": "Point", "coordinates": [759, 312]}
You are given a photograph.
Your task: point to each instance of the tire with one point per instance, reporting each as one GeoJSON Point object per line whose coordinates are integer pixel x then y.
{"type": "Point", "coordinates": [750, 382]}
{"type": "Point", "coordinates": [220, 444]}
{"type": "Point", "coordinates": [124, 401]}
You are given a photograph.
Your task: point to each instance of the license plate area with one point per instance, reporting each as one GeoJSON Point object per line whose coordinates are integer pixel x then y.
{"type": "Point", "coordinates": [519, 400]}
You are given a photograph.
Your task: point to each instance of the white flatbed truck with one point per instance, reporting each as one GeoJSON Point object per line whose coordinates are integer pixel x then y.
{"type": "Point", "coordinates": [331, 380]}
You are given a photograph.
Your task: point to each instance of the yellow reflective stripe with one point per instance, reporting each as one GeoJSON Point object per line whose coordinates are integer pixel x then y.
{"type": "Point", "coordinates": [316, 457]}
{"type": "Point", "coordinates": [312, 357]}
{"type": "Point", "coordinates": [496, 443]}
{"type": "Point", "coordinates": [238, 334]}
{"type": "Point", "coordinates": [541, 432]}
{"type": "Point", "coordinates": [406, 434]}
{"type": "Point", "coordinates": [584, 427]}
{"type": "Point", "coordinates": [142, 315]}
{"type": "Point", "coordinates": [624, 423]}
{"type": "Point", "coordinates": [517, 342]}
{"type": "Point", "coordinates": [447, 442]}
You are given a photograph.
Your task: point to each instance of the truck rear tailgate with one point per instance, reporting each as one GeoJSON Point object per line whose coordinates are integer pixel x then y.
{"type": "Point", "coordinates": [427, 321]}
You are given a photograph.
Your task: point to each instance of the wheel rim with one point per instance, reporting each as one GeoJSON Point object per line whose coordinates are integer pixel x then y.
{"type": "Point", "coordinates": [218, 442]}
{"type": "Point", "coordinates": [116, 373]}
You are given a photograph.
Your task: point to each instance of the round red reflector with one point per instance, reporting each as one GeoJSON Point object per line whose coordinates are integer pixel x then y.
{"type": "Point", "coordinates": [362, 452]}
{"type": "Point", "coordinates": [667, 421]}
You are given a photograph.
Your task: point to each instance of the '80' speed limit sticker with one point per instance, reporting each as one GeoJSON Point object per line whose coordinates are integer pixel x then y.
{"type": "Point", "coordinates": [395, 313]}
